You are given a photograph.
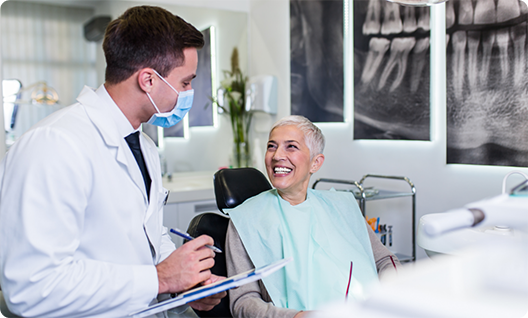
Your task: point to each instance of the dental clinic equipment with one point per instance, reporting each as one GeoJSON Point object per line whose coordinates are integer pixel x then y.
{"type": "Point", "coordinates": [478, 266]}
{"type": "Point", "coordinates": [507, 209]}
{"type": "Point", "coordinates": [22, 111]}
{"type": "Point", "coordinates": [41, 93]}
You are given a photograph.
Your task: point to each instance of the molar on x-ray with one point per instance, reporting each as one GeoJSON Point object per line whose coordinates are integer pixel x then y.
{"type": "Point", "coordinates": [487, 84]}
{"type": "Point", "coordinates": [391, 71]}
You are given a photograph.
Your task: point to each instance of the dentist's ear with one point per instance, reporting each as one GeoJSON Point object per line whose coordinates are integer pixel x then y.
{"type": "Point", "coordinates": [146, 78]}
{"type": "Point", "coordinates": [317, 162]}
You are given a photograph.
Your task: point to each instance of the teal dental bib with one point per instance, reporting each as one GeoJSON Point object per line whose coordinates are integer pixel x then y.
{"type": "Point", "coordinates": [323, 235]}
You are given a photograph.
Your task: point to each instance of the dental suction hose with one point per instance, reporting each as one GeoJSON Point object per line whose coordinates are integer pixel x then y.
{"type": "Point", "coordinates": [439, 223]}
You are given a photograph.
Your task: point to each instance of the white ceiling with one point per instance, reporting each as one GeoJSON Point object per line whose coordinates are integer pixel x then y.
{"type": "Point", "coordinates": [78, 3]}
{"type": "Point", "coordinates": [231, 5]}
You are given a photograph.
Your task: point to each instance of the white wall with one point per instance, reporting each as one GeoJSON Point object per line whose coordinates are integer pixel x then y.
{"type": "Point", "coordinates": [230, 5]}
{"type": "Point", "coordinates": [439, 186]}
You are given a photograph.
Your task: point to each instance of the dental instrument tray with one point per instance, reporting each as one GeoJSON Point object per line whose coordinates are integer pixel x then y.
{"type": "Point", "coordinates": [364, 194]}
{"type": "Point", "coordinates": [369, 192]}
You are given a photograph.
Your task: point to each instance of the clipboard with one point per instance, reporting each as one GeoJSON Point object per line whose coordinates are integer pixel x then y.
{"type": "Point", "coordinates": [211, 289]}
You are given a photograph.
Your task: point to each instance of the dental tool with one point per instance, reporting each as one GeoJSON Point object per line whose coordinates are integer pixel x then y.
{"type": "Point", "coordinates": [390, 235]}
{"type": "Point", "coordinates": [506, 210]}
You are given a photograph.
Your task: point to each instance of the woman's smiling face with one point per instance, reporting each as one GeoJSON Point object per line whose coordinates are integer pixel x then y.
{"type": "Point", "coordinates": [288, 162]}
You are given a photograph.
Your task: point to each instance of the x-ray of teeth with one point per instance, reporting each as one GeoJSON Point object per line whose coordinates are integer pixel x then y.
{"type": "Point", "coordinates": [201, 113]}
{"type": "Point", "coordinates": [317, 73]}
{"type": "Point", "coordinates": [487, 83]}
{"type": "Point", "coordinates": [391, 71]}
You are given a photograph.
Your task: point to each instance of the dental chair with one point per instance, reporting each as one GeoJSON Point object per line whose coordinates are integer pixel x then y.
{"type": "Point", "coordinates": [232, 187]}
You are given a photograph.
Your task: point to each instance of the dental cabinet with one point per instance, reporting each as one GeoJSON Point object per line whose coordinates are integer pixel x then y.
{"type": "Point", "coordinates": [366, 191]}
{"type": "Point", "coordinates": [191, 193]}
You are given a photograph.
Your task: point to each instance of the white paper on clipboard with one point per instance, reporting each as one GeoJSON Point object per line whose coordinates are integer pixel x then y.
{"type": "Point", "coordinates": [211, 289]}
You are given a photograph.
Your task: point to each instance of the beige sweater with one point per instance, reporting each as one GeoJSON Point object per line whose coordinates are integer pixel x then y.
{"type": "Point", "coordinates": [253, 301]}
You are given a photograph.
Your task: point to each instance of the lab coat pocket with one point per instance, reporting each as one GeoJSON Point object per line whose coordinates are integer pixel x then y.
{"type": "Point", "coordinates": [154, 222]}
{"type": "Point", "coordinates": [163, 197]}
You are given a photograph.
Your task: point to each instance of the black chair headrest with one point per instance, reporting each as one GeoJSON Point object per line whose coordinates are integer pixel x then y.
{"type": "Point", "coordinates": [234, 186]}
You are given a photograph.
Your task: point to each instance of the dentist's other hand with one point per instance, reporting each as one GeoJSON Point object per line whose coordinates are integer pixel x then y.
{"type": "Point", "coordinates": [207, 303]}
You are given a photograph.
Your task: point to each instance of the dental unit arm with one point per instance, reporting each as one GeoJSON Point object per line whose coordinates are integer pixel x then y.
{"type": "Point", "coordinates": [509, 210]}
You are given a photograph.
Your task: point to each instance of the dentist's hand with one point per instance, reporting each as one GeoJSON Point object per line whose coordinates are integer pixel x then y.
{"type": "Point", "coordinates": [186, 267]}
{"type": "Point", "coordinates": [207, 303]}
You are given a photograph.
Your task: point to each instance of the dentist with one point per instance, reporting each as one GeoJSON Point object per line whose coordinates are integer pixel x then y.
{"type": "Point", "coordinates": [81, 197]}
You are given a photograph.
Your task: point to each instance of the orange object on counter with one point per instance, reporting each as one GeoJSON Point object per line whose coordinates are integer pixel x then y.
{"type": "Point", "coordinates": [372, 223]}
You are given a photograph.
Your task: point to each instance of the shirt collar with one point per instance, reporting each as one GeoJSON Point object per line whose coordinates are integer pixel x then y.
{"type": "Point", "coordinates": [123, 126]}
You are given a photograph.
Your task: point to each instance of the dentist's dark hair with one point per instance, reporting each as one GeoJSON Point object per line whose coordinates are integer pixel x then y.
{"type": "Point", "coordinates": [147, 36]}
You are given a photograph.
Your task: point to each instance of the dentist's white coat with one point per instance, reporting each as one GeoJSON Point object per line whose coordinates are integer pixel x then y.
{"type": "Point", "coordinates": [75, 222]}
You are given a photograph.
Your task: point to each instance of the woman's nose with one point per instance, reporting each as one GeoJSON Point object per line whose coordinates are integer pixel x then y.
{"type": "Point", "coordinates": [278, 154]}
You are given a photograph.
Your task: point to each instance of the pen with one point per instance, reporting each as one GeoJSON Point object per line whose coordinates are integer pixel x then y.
{"type": "Point", "coordinates": [349, 280]}
{"type": "Point", "coordinates": [188, 237]}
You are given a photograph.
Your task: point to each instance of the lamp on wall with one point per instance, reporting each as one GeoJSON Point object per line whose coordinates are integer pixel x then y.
{"type": "Point", "coordinates": [40, 93]}
{"type": "Point", "coordinates": [94, 29]}
{"type": "Point", "coordinates": [21, 113]}
{"type": "Point", "coordinates": [417, 3]}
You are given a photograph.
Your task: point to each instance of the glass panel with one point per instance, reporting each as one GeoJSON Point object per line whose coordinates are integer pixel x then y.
{"type": "Point", "coordinates": [201, 114]}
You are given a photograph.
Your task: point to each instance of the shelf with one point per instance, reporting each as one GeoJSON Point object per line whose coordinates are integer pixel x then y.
{"type": "Point", "coordinates": [385, 194]}
{"type": "Point", "coordinates": [403, 258]}
{"type": "Point", "coordinates": [380, 195]}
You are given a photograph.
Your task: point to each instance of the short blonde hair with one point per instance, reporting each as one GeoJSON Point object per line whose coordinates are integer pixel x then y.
{"type": "Point", "coordinates": [313, 137]}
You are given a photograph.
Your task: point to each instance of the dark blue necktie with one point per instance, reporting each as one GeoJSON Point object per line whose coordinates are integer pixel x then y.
{"type": "Point", "coordinates": [133, 143]}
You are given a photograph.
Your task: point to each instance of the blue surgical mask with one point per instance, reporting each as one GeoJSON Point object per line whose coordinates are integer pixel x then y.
{"type": "Point", "coordinates": [182, 107]}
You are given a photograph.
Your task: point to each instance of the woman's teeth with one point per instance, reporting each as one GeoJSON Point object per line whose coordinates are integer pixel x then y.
{"type": "Point", "coordinates": [282, 170]}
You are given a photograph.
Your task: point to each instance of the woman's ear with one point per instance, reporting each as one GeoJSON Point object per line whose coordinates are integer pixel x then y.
{"type": "Point", "coordinates": [317, 162]}
{"type": "Point", "coordinates": [146, 79]}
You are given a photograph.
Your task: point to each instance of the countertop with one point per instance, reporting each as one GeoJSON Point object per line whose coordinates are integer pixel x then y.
{"type": "Point", "coordinates": [190, 186]}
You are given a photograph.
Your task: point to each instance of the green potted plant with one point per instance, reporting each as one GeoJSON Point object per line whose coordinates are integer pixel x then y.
{"type": "Point", "coordinates": [232, 101]}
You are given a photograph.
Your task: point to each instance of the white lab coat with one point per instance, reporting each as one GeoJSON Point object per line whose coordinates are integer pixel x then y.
{"type": "Point", "coordinates": [75, 222]}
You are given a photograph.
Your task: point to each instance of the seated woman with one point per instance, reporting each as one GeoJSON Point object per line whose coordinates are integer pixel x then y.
{"type": "Point", "coordinates": [324, 232]}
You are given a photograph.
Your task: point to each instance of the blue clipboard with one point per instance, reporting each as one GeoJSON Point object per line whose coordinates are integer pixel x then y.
{"type": "Point", "coordinates": [211, 289]}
